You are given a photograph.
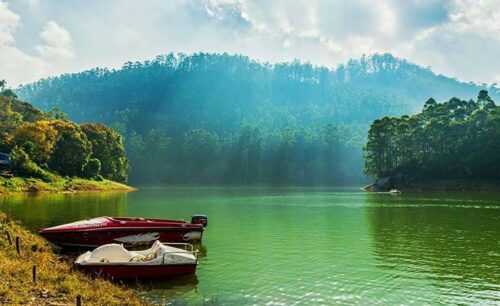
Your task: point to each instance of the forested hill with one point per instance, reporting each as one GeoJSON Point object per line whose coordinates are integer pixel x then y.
{"type": "Point", "coordinates": [222, 118]}
{"type": "Point", "coordinates": [457, 139]}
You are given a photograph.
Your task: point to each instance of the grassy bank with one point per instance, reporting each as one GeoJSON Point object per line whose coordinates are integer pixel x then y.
{"type": "Point", "coordinates": [56, 282]}
{"type": "Point", "coordinates": [59, 184]}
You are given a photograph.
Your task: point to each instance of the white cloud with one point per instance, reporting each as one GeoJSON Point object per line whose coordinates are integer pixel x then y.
{"type": "Point", "coordinates": [8, 24]}
{"type": "Point", "coordinates": [18, 66]}
{"type": "Point", "coordinates": [11, 58]}
{"type": "Point", "coordinates": [467, 46]}
{"type": "Point", "coordinates": [57, 42]}
{"type": "Point", "coordinates": [456, 37]}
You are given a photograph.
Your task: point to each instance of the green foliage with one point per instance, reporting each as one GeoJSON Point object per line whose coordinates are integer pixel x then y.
{"type": "Point", "coordinates": [9, 120]}
{"type": "Point", "coordinates": [71, 152]}
{"type": "Point", "coordinates": [56, 114]}
{"type": "Point", "coordinates": [22, 165]}
{"type": "Point", "coordinates": [108, 148]}
{"type": "Point", "coordinates": [39, 141]}
{"type": "Point", "coordinates": [455, 139]}
{"type": "Point", "coordinates": [151, 155]}
{"type": "Point", "coordinates": [6, 92]}
{"type": "Point", "coordinates": [92, 168]}
{"type": "Point", "coordinates": [199, 149]}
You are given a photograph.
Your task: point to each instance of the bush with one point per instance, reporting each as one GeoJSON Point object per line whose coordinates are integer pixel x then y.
{"type": "Point", "coordinates": [92, 168]}
{"type": "Point", "coordinates": [108, 147]}
{"type": "Point", "coordinates": [22, 165]}
{"type": "Point", "coordinates": [71, 151]}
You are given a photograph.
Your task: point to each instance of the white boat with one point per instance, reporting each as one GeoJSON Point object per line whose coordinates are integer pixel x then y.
{"type": "Point", "coordinates": [161, 261]}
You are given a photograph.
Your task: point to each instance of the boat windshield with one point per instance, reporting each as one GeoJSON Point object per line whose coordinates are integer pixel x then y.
{"type": "Point", "coordinates": [96, 222]}
{"type": "Point", "coordinates": [149, 220]}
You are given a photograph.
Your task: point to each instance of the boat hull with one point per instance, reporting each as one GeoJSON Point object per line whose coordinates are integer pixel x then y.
{"type": "Point", "coordinates": [130, 236]}
{"type": "Point", "coordinates": [129, 272]}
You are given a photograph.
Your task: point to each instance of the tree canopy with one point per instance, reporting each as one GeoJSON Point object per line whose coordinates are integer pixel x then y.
{"type": "Point", "coordinates": [41, 145]}
{"type": "Point", "coordinates": [449, 140]}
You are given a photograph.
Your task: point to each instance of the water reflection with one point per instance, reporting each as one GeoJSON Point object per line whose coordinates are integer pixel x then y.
{"type": "Point", "coordinates": [449, 241]}
{"type": "Point", "coordinates": [161, 293]}
{"type": "Point", "coordinates": [38, 211]}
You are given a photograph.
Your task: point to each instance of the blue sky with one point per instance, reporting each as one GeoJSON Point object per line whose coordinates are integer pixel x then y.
{"type": "Point", "coordinates": [40, 38]}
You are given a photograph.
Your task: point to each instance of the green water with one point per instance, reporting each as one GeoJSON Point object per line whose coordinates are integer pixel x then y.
{"type": "Point", "coordinates": [287, 246]}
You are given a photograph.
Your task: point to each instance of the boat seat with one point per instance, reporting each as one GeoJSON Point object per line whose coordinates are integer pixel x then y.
{"type": "Point", "coordinates": [158, 254]}
{"type": "Point", "coordinates": [110, 253]}
{"type": "Point", "coordinates": [147, 255]}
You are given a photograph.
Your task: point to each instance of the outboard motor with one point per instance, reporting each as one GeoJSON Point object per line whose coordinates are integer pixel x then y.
{"type": "Point", "coordinates": [200, 219]}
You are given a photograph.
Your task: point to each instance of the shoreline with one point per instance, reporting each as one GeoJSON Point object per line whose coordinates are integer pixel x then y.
{"type": "Point", "coordinates": [54, 281]}
{"type": "Point", "coordinates": [451, 185]}
{"type": "Point", "coordinates": [19, 185]}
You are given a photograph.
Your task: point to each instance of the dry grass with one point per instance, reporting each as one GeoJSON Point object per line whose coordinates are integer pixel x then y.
{"type": "Point", "coordinates": [57, 283]}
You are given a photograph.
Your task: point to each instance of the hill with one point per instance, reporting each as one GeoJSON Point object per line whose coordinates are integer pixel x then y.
{"type": "Point", "coordinates": [219, 118]}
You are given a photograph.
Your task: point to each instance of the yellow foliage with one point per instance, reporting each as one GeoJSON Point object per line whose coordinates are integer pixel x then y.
{"type": "Point", "coordinates": [42, 134]}
{"type": "Point", "coordinates": [9, 119]}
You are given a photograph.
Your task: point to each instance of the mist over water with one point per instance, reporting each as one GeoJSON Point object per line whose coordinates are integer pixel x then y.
{"type": "Point", "coordinates": [291, 245]}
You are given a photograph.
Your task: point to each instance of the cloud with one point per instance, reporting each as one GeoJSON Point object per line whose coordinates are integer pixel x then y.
{"type": "Point", "coordinates": [455, 37]}
{"type": "Point", "coordinates": [11, 58]}
{"type": "Point", "coordinates": [19, 66]}
{"type": "Point", "coordinates": [8, 24]}
{"type": "Point", "coordinates": [57, 43]}
{"type": "Point", "coordinates": [466, 46]}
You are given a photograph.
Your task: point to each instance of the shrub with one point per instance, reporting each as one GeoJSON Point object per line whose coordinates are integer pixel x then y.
{"type": "Point", "coordinates": [108, 147]}
{"type": "Point", "coordinates": [92, 168]}
{"type": "Point", "coordinates": [71, 151]}
{"type": "Point", "coordinates": [22, 165]}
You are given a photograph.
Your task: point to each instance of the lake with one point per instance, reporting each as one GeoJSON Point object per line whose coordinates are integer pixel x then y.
{"type": "Point", "coordinates": [296, 246]}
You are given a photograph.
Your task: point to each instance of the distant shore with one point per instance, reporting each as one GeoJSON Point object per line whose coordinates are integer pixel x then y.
{"type": "Point", "coordinates": [456, 185]}
{"type": "Point", "coordinates": [59, 185]}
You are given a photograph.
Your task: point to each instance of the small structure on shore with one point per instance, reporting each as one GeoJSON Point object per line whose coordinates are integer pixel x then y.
{"type": "Point", "coordinates": [395, 191]}
{"type": "Point", "coordinates": [4, 160]}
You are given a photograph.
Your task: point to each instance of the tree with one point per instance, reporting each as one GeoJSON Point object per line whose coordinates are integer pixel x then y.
{"type": "Point", "coordinates": [9, 120]}
{"type": "Point", "coordinates": [92, 168]}
{"type": "Point", "coordinates": [108, 148]}
{"type": "Point", "coordinates": [72, 150]}
{"type": "Point", "coordinates": [22, 165]}
{"type": "Point", "coordinates": [57, 114]}
{"type": "Point", "coordinates": [199, 150]}
{"type": "Point", "coordinates": [455, 139]}
{"type": "Point", "coordinates": [38, 139]}
{"type": "Point", "coordinates": [6, 92]}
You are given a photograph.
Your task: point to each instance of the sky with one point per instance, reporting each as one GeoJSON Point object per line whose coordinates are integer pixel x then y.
{"type": "Point", "coordinates": [41, 38]}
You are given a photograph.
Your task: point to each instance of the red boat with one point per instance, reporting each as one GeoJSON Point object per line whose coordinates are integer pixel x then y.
{"type": "Point", "coordinates": [127, 231]}
{"type": "Point", "coordinates": [161, 261]}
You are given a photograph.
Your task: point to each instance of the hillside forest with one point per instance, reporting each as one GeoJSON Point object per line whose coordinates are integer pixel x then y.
{"type": "Point", "coordinates": [227, 119]}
